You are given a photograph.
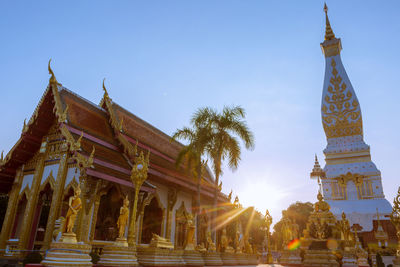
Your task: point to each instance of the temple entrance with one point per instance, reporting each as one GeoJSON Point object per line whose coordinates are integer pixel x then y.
{"type": "Point", "coordinates": [19, 217]}
{"type": "Point", "coordinates": [180, 226]}
{"type": "Point", "coordinates": [107, 215]}
{"type": "Point", "coordinates": [152, 221]}
{"type": "Point", "coordinates": [41, 215]}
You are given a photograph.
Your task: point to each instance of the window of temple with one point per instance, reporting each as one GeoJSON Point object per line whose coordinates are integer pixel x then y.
{"type": "Point", "coordinates": [152, 221]}
{"type": "Point", "coordinates": [41, 215]}
{"type": "Point", "coordinates": [107, 215]}
{"type": "Point", "coordinates": [180, 226]}
{"type": "Point", "coordinates": [19, 215]}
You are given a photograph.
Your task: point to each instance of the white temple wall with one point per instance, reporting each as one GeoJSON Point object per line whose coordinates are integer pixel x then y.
{"type": "Point", "coordinates": [26, 182]}
{"type": "Point", "coordinates": [71, 174]}
{"type": "Point", "coordinates": [50, 169]}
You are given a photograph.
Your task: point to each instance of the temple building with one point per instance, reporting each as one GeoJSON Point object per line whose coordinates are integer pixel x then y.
{"type": "Point", "coordinates": [69, 143]}
{"type": "Point", "coordinates": [350, 182]}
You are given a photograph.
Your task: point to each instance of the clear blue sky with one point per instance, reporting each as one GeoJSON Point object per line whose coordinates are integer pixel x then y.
{"type": "Point", "coordinates": [164, 59]}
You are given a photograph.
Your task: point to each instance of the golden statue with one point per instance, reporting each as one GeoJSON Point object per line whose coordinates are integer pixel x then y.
{"type": "Point", "coordinates": [224, 240]}
{"type": "Point", "coordinates": [123, 218]}
{"type": "Point", "coordinates": [248, 249]}
{"type": "Point", "coordinates": [210, 244]}
{"type": "Point", "coordinates": [295, 229]}
{"type": "Point", "coordinates": [321, 205]}
{"type": "Point", "coordinates": [75, 204]}
{"type": "Point", "coordinates": [286, 228]}
{"type": "Point", "coordinates": [190, 233]}
{"type": "Point", "coordinates": [344, 227]}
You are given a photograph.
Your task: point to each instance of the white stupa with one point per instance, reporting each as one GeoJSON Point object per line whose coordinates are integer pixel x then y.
{"type": "Point", "coordinates": [350, 181]}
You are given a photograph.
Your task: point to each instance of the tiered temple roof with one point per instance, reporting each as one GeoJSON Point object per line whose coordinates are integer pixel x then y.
{"type": "Point", "coordinates": [108, 128]}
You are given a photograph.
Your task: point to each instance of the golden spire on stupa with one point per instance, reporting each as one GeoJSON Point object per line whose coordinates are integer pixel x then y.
{"type": "Point", "coordinates": [329, 35]}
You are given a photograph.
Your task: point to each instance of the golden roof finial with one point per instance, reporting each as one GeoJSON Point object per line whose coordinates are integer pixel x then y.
{"type": "Point", "coordinates": [53, 79]}
{"type": "Point", "coordinates": [2, 157]}
{"type": "Point", "coordinates": [329, 35]}
{"type": "Point", "coordinates": [105, 90]}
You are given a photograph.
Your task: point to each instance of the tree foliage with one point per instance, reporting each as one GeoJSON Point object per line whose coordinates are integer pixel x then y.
{"type": "Point", "coordinates": [297, 212]}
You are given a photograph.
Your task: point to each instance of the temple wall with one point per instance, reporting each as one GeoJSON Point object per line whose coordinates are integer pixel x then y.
{"type": "Point", "coordinates": [72, 172]}
{"type": "Point", "coordinates": [26, 182]}
{"type": "Point", "coordinates": [49, 170]}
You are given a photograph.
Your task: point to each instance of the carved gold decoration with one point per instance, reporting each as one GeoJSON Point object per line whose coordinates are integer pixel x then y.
{"type": "Point", "coordinates": [129, 149]}
{"type": "Point", "coordinates": [160, 242]}
{"type": "Point", "coordinates": [11, 208]}
{"type": "Point", "coordinates": [85, 162]}
{"type": "Point", "coordinates": [31, 204]}
{"type": "Point", "coordinates": [341, 112]}
{"type": "Point", "coordinates": [210, 244]}
{"type": "Point", "coordinates": [138, 176]}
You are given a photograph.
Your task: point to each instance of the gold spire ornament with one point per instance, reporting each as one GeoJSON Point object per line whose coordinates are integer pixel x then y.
{"type": "Point", "coordinates": [105, 91]}
{"type": "Point", "coordinates": [53, 79]}
{"type": "Point", "coordinates": [329, 35]}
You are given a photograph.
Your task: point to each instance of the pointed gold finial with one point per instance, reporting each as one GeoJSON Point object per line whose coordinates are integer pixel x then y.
{"type": "Point", "coordinates": [2, 156]}
{"type": "Point", "coordinates": [53, 79]}
{"type": "Point", "coordinates": [105, 90]}
{"type": "Point", "coordinates": [329, 35]}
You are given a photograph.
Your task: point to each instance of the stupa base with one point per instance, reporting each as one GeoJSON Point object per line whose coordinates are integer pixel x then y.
{"type": "Point", "coordinates": [291, 258]}
{"type": "Point", "coordinates": [118, 254]}
{"type": "Point", "coordinates": [150, 256]}
{"type": "Point", "coordinates": [319, 258]}
{"type": "Point", "coordinates": [241, 259]}
{"type": "Point", "coordinates": [252, 259]}
{"type": "Point", "coordinates": [228, 258]}
{"type": "Point", "coordinates": [212, 258]}
{"type": "Point", "coordinates": [192, 258]}
{"type": "Point", "coordinates": [68, 254]}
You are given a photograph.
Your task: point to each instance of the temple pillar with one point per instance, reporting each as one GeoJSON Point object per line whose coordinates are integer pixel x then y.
{"type": "Point", "coordinates": [11, 208]}
{"type": "Point", "coordinates": [94, 218]}
{"type": "Point", "coordinates": [56, 200]}
{"type": "Point", "coordinates": [172, 196]}
{"type": "Point", "coordinates": [31, 204]}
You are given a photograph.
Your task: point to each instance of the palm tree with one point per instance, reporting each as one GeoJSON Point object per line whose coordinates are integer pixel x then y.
{"type": "Point", "coordinates": [223, 142]}
{"type": "Point", "coordinates": [192, 154]}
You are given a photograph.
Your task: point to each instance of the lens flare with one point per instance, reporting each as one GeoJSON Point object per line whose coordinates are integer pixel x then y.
{"type": "Point", "coordinates": [294, 244]}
